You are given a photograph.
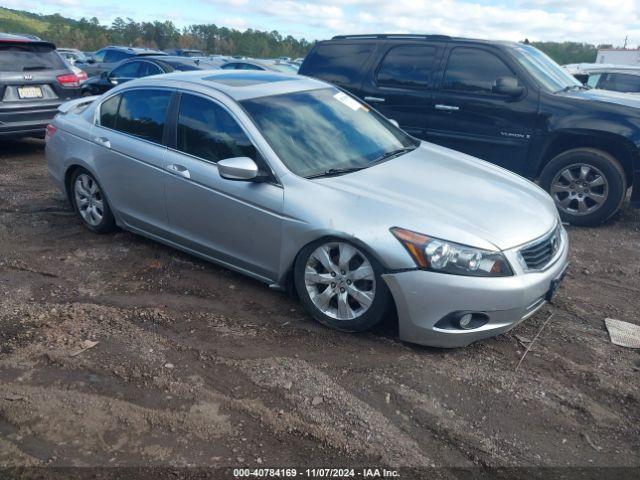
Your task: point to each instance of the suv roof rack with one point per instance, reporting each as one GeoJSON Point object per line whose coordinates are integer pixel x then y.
{"type": "Point", "coordinates": [392, 35]}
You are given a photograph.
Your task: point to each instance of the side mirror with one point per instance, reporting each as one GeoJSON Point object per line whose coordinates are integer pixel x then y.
{"type": "Point", "coordinates": [508, 86]}
{"type": "Point", "coordinates": [240, 168]}
{"type": "Point", "coordinates": [91, 60]}
{"type": "Point", "coordinates": [394, 122]}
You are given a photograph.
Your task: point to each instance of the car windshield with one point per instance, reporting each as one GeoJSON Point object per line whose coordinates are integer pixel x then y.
{"type": "Point", "coordinates": [547, 72]}
{"type": "Point", "coordinates": [27, 57]}
{"type": "Point", "coordinates": [325, 131]}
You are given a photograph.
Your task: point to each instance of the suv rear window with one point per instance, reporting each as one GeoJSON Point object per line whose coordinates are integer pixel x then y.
{"type": "Point", "coordinates": [26, 57]}
{"type": "Point", "coordinates": [407, 66]}
{"type": "Point", "coordinates": [338, 63]}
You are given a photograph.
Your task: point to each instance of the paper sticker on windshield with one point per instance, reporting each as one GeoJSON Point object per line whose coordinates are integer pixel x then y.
{"type": "Point", "coordinates": [347, 100]}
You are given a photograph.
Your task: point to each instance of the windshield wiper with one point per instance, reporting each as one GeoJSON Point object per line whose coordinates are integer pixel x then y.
{"type": "Point", "coordinates": [569, 87]}
{"type": "Point", "coordinates": [335, 171]}
{"type": "Point", "coordinates": [393, 153]}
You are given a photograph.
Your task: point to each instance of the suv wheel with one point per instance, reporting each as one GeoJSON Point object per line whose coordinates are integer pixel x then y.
{"type": "Point", "coordinates": [340, 285]}
{"type": "Point", "coordinates": [90, 203]}
{"type": "Point", "coordinates": [587, 185]}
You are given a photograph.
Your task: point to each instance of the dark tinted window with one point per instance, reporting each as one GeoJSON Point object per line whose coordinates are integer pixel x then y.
{"type": "Point", "coordinates": [108, 112]}
{"type": "Point", "coordinates": [26, 58]}
{"type": "Point", "coordinates": [115, 56]}
{"type": "Point", "coordinates": [142, 113]}
{"type": "Point", "coordinates": [207, 131]}
{"type": "Point", "coordinates": [620, 82]}
{"type": "Point", "coordinates": [338, 63]}
{"type": "Point", "coordinates": [129, 70]}
{"type": "Point", "coordinates": [473, 70]}
{"type": "Point", "coordinates": [408, 66]}
{"type": "Point", "coordinates": [149, 68]}
{"type": "Point", "coordinates": [99, 55]}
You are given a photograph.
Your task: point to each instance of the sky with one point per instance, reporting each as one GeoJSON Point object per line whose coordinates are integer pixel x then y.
{"type": "Point", "coordinates": [592, 21]}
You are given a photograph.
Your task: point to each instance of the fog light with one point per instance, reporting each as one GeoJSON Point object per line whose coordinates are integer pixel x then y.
{"type": "Point", "coordinates": [465, 320]}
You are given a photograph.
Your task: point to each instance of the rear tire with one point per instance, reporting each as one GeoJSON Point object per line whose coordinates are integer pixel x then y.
{"type": "Point", "coordinates": [340, 285]}
{"type": "Point", "coordinates": [90, 203]}
{"type": "Point", "coordinates": [587, 185]}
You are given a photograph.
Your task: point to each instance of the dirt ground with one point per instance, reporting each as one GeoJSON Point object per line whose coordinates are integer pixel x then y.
{"type": "Point", "coordinates": [198, 366]}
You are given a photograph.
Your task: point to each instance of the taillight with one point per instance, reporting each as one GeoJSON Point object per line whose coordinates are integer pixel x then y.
{"type": "Point", "coordinates": [49, 132]}
{"type": "Point", "coordinates": [69, 80]}
{"type": "Point", "coordinates": [82, 76]}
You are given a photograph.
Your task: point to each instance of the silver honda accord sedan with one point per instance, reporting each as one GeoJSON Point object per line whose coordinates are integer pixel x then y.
{"type": "Point", "coordinates": [293, 182]}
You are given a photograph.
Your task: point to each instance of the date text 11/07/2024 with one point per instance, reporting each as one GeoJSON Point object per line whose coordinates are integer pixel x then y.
{"type": "Point", "coordinates": [315, 473]}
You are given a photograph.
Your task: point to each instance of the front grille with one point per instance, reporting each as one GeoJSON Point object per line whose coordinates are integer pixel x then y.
{"type": "Point", "coordinates": [538, 255]}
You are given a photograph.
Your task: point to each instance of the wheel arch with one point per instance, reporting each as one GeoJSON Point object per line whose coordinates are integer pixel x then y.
{"type": "Point", "coordinates": [615, 145]}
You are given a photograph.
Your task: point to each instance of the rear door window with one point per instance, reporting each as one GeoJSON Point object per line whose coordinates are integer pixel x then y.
{"type": "Point", "coordinates": [29, 58]}
{"type": "Point", "coordinates": [339, 63]}
{"type": "Point", "coordinates": [407, 66]}
{"type": "Point", "coordinates": [109, 111]}
{"type": "Point", "coordinates": [149, 68]}
{"type": "Point", "coordinates": [141, 113]}
{"type": "Point", "coordinates": [129, 70]}
{"type": "Point", "coordinates": [472, 70]}
{"type": "Point", "coordinates": [208, 131]}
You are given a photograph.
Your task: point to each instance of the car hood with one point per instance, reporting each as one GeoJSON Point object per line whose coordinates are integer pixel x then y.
{"type": "Point", "coordinates": [448, 195]}
{"type": "Point", "coordinates": [605, 96]}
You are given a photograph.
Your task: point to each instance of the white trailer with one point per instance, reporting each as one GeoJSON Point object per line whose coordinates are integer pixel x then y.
{"type": "Point", "coordinates": [619, 56]}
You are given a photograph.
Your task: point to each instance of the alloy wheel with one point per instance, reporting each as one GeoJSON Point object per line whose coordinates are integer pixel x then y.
{"type": "Point", "coordinates": [579, 189]}
{"type": "Point", "coordinates": [89, 199]}
{"type": "Point", "coordinates": [340, 280]}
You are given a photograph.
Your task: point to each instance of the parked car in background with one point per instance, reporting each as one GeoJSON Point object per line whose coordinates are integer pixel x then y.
{"type": "Point", "coordinates": [34, 81]}
{"type": "Point", "coordinates": [107, 58]}
{"type": "Point", "coordinates": [277, 176]}
{"type": "Point", "coordinates": [617, 78]}
{"type": "Point", "coordinates": [252, 64]}
{"type": "Point", "coordinates": [186, 52]}
{"type": "Point", "coordinates": [145, 66]}
{"type": "Point", "coordinates": [72, 55]}
{"type": "Point", "coordinates": [504, 102]}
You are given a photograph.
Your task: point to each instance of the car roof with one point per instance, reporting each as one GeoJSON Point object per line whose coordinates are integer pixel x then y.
{"type": "Point", "coordinates": [31, 40]}
{"type": "Point", "coordinates": [577, 68]}
{"type": "Point", "coordinates": [237, 84]}
{"type": "Point", "coordinates": [174, 60]}
{"type": "Point", "coordinates": [414, 37]}
{"type": "Point", "coordinates": [135, 50]}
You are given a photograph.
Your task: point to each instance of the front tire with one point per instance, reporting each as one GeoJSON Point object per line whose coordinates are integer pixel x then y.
{"type": "Point", "coordinates": [587, 185]}
{"type": "Point", "coordinates": [340, 285]}
{"type": "Point", "coordinates": [90, 203]}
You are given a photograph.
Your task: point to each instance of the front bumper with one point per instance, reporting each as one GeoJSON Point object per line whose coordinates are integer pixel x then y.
{"type": "Point", "coordinates": [423, 298]}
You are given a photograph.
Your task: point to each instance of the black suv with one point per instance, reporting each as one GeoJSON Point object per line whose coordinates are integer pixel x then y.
{"type": "Point", "coordinates": [504, 102]}
{"type": "Point", "coordinates": [107, 58]}
{"type": "Point", "coordinates": [34, 81]}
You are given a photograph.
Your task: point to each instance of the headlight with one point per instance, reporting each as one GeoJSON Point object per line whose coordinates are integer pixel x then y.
{"type": "Point", "coordinates": [448, 257]}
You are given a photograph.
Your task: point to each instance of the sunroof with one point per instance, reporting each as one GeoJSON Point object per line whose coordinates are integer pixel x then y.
{"type": "Point", "coordinates": [245, 79]}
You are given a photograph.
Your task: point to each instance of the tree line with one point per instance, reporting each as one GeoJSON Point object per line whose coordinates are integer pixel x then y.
{"type": "Point", "coordinates": [89, 34]}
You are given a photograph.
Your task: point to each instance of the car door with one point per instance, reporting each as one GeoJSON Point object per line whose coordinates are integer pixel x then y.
{"type": "Point", "coordinates": [237, 223]}
{"type": "Point", "coordinates": [401, 85]}
{"type": "Point", "coordinates": [471, 117]}
{"type": "Point", "coordinates": [129, 156]}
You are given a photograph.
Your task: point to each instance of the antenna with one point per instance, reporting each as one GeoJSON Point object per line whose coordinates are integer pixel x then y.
{"type": "Point", "coordinates": [625, 41]}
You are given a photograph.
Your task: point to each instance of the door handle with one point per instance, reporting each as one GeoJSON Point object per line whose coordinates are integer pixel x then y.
{"type": "Point", "coordinates": [374, 99]}
{"type": "Point", "coordinates": [447, 108]}
{"type": "Point", "coordinates": [178, 170]}
{"type": "Point", "coordinates": [104, 141]}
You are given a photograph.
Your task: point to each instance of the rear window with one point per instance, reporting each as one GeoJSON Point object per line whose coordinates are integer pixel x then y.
{"type": "Point", "coordinates": [26, 58]}
{"type": "Point", "coordinates": [338, 63]}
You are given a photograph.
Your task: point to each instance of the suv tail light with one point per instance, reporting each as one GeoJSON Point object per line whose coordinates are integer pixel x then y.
{"type": "Point", "coordinates": [69, 80]}
{"type": "Point", "coordinates": [82, 76]}
{"type": "Point", "coordinates": [49, 132]}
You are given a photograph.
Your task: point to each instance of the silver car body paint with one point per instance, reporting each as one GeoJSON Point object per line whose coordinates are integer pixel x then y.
{"type": "Point", "coordinates": [259, 228]}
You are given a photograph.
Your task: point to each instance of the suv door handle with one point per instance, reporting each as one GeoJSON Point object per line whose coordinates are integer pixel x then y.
{"type": "Point", "coordinates": [374, 99]}
{"type": "Point", "coordinates": [104, 141]}
{"type": "Point", "coordinates": [178, 170]}
{"type": "Point", "coordinates": [447, 108]}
